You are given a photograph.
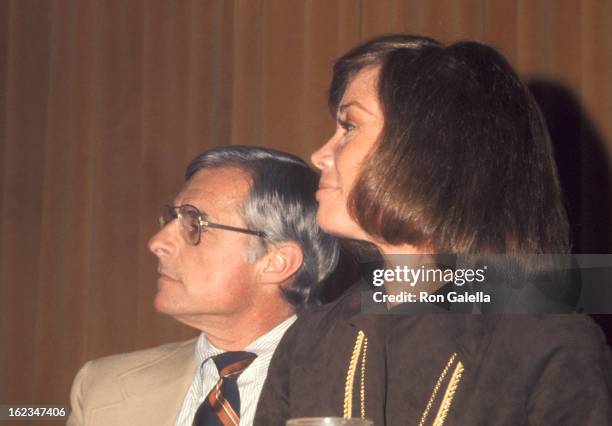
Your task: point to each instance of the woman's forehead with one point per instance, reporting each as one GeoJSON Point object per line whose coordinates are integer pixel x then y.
{"type": "Point", "coordinates": [362, 92]}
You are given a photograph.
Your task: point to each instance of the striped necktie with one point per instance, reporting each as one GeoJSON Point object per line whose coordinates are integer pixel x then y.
{"type": "Point", "coordinates": [222, 405]}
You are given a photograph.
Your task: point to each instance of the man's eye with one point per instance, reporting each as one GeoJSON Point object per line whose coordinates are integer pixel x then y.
{"type": "Point", "coordinates": [192, 227]}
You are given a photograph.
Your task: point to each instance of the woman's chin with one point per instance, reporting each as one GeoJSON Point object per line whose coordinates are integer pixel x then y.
{"type": "Point", "coordinates": [340, 226]}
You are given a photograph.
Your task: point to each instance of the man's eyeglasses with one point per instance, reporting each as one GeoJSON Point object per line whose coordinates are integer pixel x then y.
{"type": "Point", "coordinates": [193, 222]}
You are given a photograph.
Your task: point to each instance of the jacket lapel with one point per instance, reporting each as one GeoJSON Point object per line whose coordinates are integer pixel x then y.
{"type": "Point", "coordinates": [152, 394]}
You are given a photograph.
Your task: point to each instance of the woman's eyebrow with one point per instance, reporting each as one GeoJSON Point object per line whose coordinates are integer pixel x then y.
{"type": "Point", "coordinates": [356, 104]}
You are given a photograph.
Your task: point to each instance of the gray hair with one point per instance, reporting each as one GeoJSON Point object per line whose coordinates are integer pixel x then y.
{"type": "Point", "coordinates": [281, 202]}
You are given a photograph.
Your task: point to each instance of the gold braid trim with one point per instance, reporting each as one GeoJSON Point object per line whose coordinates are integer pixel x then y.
{"type": "Point", "coordinates": [437, 388]}
{"type": "Point", "coordinates": [350, 376]}
{"type": "Point", "coordinates": [362, 379]}
{"type": "Point", "coordinates": [449, 395]}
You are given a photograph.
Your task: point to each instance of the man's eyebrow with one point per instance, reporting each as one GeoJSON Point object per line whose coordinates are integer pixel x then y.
{"type": "Point", "coordinates": [357, 104]}
{"type": "Point", "coordinates": [187, 201]}
{"type": "Point", "coordinates": [202, 211]}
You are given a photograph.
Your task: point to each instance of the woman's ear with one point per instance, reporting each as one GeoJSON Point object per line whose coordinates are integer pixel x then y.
{"type": "Point", "coordinates": [281, 262]}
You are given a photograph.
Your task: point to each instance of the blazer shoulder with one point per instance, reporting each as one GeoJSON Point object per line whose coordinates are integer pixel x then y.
{"type": "Point", "coordinates": [109, 381]}
{"type": "Point", "coordinates": [569, 377]}
{"type": "Point", "coordinates": [117, 365]}
{"type": "Point", "coordinates": [553, 332]}
{"type": "Point", "coordinates": [103, 375]}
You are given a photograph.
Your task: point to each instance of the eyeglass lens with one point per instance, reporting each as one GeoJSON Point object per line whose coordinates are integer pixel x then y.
{"type": "Point", "coordinates": [189, 219]}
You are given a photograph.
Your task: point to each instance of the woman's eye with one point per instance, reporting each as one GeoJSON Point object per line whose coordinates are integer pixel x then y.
{"type": "Point", "coordinates": [346, 126]}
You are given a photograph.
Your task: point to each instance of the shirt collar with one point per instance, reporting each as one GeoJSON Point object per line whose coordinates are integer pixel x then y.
{"type": "Point", "coordinates": [264, 344]}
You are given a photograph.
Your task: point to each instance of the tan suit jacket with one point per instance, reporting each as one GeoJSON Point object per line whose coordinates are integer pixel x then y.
{"type": "Point", "coordinates": [140, 388]}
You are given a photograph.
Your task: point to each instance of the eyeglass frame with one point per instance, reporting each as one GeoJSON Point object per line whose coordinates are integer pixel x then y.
{"type": "Point", "coordinates": [205, 223]}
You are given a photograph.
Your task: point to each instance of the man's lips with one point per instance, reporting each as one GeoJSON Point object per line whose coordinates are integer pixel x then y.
{"type": "Point", "coordinates": [165, 275]}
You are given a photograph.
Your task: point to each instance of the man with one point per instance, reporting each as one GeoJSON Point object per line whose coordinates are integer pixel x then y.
{"type": "Point", "coordinates": [239, 251]}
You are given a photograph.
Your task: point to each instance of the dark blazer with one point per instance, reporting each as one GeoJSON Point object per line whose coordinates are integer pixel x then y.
{"type": "Point", "coordinates": [439, 368]}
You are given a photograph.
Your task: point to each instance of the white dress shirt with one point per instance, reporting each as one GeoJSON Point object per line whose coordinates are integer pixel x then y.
{"type": "Point", "coordinates": [249, 383]}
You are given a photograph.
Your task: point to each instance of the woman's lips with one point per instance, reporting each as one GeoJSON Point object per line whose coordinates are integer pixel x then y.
{"type": "Point", "coordinates": [325, 186]}
{"type": "Point", "coordinates": [325, 189]}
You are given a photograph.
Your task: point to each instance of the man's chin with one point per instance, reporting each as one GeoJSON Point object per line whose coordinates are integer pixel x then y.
{"type": "Point", "coordinates": [163, 305]}
{"type": "Point", "coordinates": [340, 227]}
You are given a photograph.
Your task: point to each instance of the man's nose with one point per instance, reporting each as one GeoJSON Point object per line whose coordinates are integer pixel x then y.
{"type": "Point", "coordinates": [161, 244]}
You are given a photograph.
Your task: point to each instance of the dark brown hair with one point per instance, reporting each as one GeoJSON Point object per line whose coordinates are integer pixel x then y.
{"type": "Point", "coordinates": [464, 163]}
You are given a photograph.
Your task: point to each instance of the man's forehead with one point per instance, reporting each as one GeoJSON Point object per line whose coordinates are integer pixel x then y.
{"type": "Point", "coordinates": [214, 188]}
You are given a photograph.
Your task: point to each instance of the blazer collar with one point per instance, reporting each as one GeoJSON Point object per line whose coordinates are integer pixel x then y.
{"type": "Point", "coordinates": [151, 393]}
{"type": "Point", "coordinates": [172, 373]}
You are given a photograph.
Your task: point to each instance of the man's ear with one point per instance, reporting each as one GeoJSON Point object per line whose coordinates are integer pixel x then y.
{"type": "Point", "coordinates": [281, 262]}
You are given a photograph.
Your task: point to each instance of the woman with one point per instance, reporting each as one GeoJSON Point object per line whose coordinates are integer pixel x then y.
{"type": "Point", "coordinates": [438, 149]}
